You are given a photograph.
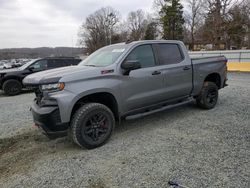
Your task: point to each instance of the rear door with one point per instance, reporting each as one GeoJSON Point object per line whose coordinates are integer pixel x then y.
{"type": "Point", "coordinates": [144, 86]}
{"type": "Point", "coordinates": [176, 69]}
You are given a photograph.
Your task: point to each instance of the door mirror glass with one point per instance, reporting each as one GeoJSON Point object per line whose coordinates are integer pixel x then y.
{"type": "Point", "coordinates": [129, 65]}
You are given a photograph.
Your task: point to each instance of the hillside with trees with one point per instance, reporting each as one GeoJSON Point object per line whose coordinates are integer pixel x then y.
{"type": "Point", "coordinates": [32, 53]}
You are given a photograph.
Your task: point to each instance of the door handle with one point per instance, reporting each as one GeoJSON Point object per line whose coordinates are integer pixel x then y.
{"type": "Point", "coordinates": [156, 72]}
{"type": "Point", "coordinates": [186, 68]}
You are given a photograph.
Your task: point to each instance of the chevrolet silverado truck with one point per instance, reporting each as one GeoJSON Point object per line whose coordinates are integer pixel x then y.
{"type": "Point", "coordinates": [11, 79]}
{"type": "Point", "coordinates": [122, 81]}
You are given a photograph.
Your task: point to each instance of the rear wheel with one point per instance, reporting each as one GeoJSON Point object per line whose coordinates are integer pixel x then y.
{"type": "Point", "coordinates": [92, 125]}
{"type": "Point", "coordinates": [12, 87]}
{"type": "Point", "coordinates": [208, 96]}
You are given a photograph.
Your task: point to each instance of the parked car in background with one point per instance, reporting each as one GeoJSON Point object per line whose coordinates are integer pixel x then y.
{"type": "Point", "coordinates": [5, 65]}
{"type": "Point", "coordinates": [16, 64]}
{"type": "Point", "coordinates": [11, 79]}
{"type": "Point", "coordinates": [122, 81]}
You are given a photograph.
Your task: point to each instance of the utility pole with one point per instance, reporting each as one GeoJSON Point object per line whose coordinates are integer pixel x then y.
{"type": "Point", "coordinates": [111, 21]}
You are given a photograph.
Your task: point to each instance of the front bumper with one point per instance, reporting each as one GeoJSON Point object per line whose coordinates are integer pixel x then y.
{"type": "Point", "coordinates": [49, 120]}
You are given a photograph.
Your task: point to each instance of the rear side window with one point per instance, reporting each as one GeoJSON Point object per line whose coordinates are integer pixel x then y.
{"type": "Point", "coordinates": [72, 61]}
{"type": "Point", "coordinates": [144, 54]}
{"type": "Point", "coordinates": [55, 63]}
{"type": "Point", "coordinates": [169, 54]}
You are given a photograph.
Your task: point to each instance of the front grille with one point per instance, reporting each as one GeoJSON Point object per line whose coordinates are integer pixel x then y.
{"type": "Point", "coordinates": [39, 96]}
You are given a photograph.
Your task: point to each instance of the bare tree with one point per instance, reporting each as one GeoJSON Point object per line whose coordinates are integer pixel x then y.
{"type": "Point", "coordinates": [215, 22]}
{"type": "Point", "coordinates": [158, 4]}
{"type": "Point", "coordinates": [246, 9]}
{"type": "Point", "coordinates": [137, 24]}
{"type": "Point", "coordinates": [194, 18]}
{"type": "Point", "coordinates": [97, 30]}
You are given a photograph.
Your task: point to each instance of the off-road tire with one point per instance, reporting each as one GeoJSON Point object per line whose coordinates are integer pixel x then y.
{"type": "Point", "coordinates": [80, 120]}
{"type": "Point", "coordinates": [12, 87]}
{"type": "Point", "coordinates": [204, 100]}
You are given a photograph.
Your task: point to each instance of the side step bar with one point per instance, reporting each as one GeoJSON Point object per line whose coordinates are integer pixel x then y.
{"type": "Point", "coordinates": [159, 109]}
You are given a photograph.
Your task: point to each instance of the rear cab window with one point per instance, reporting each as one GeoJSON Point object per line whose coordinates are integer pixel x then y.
{"type": "Point", "coordinates": [169, 53]}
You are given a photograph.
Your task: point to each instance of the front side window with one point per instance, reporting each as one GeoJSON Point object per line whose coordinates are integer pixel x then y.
{"type": "Point", "coordinates": [144, 54]}
{"type": "Point", "coordinates": [39, 65]}
{"type": "Point", "coordinates": [169, 54]}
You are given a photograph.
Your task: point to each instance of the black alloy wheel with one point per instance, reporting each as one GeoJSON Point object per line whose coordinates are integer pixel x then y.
{"type": "Point", "coordinates": [208, 96]}
{"type": "Point", "coordinates": [92, 125]}
{"type": "Point", "coordinates": [212, 96]}
{"type": "Point", "coordinates": [96, 126]}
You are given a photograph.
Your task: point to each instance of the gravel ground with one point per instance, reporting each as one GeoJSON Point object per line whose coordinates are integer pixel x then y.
{"type": "Point", "coordinates": [198, 148]}
{"type": "Point", "coordinates": [15, 117]}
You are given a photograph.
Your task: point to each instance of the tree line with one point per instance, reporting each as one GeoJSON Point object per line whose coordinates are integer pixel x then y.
{"type": "Point", "coordinates": [210, 24]}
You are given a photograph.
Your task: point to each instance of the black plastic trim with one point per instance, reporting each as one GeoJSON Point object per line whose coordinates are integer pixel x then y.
{"type": "Point", "coordinates": [49, 120]}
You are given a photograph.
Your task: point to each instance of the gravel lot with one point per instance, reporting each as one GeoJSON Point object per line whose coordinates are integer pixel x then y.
{"type": "Point", "coordinates": [198, 148]}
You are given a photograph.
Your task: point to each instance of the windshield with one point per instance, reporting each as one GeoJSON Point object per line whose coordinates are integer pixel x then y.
{"type": "Point", "coordinates": [27, 64]}
{"type": "Point", "coordinates": [104, 56]}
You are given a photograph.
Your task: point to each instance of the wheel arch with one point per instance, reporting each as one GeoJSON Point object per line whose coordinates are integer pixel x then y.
{"type": "Point", "coordinates": [215, 78]}
{"type": "Point", "coordinates": [105, 98]}
{"type": "Point", "coordinates": [12, 77]}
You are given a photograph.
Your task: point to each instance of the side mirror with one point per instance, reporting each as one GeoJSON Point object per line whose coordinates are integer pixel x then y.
{"type": "Point", "coordinates": [31, 69]}
{"type": "Point", "coordinates": [131, 65]}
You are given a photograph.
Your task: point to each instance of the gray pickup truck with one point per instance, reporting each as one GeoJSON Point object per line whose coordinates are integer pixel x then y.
{"type": "Point", "coordinates": [122, 81]}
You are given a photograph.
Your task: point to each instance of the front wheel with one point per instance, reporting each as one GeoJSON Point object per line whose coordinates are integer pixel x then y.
{"type": "Point", "coordinates": [208, 96]}
{"type": "Point", "coordinates": [12, 87]}
{"type": "Point", "coordinates": [92, 125]}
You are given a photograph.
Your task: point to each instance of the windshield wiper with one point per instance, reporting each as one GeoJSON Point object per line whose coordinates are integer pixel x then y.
{"type": "Point", "coordinates": [90, 65]}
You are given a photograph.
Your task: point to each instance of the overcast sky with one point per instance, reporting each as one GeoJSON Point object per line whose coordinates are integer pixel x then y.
{"type": "Point", "coordinates": [37, 23]}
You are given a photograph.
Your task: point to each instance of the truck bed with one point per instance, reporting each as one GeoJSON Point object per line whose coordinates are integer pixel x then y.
{"type": "Point", "coordinates": [203, 66]}
{"type": "Point", "coordinates": [198, 60]}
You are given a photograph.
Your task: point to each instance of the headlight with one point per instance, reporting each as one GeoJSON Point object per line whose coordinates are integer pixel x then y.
{"type": "Point", "coordinates": [53, 87]}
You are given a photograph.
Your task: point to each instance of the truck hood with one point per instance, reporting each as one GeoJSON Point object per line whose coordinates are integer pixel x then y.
{"type": "Point", "coordinates": [54, 75]}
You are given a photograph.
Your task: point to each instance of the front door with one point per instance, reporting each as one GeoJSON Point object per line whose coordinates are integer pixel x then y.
{"type": "Point", "coordinates": [144, 86]}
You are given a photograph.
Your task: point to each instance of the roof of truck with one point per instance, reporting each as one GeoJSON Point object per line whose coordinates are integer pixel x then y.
{"type": "Point", "coordinates": [154, 41]}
